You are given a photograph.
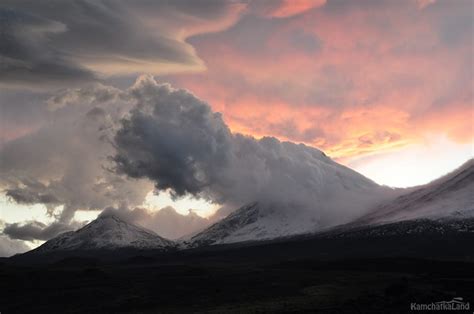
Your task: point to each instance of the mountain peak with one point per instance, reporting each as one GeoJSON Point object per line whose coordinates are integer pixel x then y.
{"type": "Point", "coordinates": [107, 232]}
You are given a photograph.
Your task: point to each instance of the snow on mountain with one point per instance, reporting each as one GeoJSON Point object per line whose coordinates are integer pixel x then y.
{"type": "Point", "coordinates": [106, 232]}
{"type": "Point", "coordinates": [451, 196]}
{"type": "Point", "coordinates": [349, 193]}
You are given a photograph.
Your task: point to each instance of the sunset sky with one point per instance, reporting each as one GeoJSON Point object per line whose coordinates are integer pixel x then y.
{"type": "Point", "coordinates": [383, 87]}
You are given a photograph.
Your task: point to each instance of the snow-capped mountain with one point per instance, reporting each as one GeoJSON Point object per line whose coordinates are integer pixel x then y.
{"type": "Point", "coordinates": [421, 209]}
{"type": "Point", "coordinates": [449, 197]}
{"type": "Point", "coordinates": [106, 233]}
{"type": "Point", "coordinates": [322, 195]}
{"type": "Point", "coordinates": [257, 221]}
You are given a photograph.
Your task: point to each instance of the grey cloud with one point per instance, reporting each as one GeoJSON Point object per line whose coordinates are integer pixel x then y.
{"type": "Point", "coordinates": [20, 113]}
{"type": "Point", "coordinates": [22, 196]}
{"type": "Point", "coordinates": [305, 41]}
{"type": "Point", "coordinates": [65, 162]}
{"type": "Point", "coordinates": [25, 54]}
{"type": "Point", "coordinates": [174, 139]}
{"type": "Point", "coordinates": [180, 144]}
{"type": "Point", "coordinates": [456, 27]}
{"type": "Point", "coordinates": [249, 36]}
{"type": "Point", "coordinates": [35, 230]}
{"type": "Point", "coordinates": [107, 147]}
{"type": "Point", "coordinates": [9, 247]}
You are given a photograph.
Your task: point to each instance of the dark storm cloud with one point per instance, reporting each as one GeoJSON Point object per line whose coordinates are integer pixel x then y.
{"type": "Point", "coordinates": [36, 230]}
{"type": "Point", "coordinates": [22, 196]}
{"type": "Point", "coordinates": [26, 55]}
{"type": "Point", "coordinates": [61, 42]}
{"type": "Point", "coordinates": [9, 247]}
{"type": "Point", "coordinates": [178, 142]}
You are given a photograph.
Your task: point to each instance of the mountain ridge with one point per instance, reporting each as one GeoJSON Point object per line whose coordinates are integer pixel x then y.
{"type": "Point", "coordinates": [438, 205]}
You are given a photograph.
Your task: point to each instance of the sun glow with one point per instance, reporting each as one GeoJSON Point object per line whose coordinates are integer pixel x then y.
{"type": "Point", "coordinates": [415, 164]}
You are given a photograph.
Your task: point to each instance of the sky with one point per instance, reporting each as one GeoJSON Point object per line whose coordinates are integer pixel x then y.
{"type": "Point", "coordinates": [89, 91]}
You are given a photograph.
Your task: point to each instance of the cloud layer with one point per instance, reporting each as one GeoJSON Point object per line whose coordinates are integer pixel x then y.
{"type": "Point", "coordinates": [352, 78]}
{"type": "Point", "coordinates": [35, 230]}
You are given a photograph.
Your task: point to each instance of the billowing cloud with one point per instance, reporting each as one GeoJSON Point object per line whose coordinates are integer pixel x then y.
{"type": "Point", "coordinates": [172, 138]}
{"type": "Point", "coordinates": [107, 147]}
{"type": "Point", "coordinates": [175, 140]}
{"type": "Point", "coordinates": [65, 162]}
{"type": "Point", "coordinates": [62, 42]}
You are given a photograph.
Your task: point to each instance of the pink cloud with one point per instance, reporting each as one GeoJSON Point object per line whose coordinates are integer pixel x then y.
{"type": "Point", "coordinates": [348, 79]}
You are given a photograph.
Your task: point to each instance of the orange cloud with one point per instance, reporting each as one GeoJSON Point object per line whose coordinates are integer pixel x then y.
{"type": "Point", "coordinates": [293, 7]}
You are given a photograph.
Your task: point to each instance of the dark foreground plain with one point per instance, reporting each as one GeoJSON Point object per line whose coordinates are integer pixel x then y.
{"type": "Point", "coordinates": [353, 274]}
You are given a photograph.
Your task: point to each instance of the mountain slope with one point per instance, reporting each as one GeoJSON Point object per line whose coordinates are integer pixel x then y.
{"type": "Point", "coordinates": [451, 196]}
{"type": "Point", "coordinates": [256, 221]}
{"type": "Point", "coordinates": [105, 233]}
{"type": "Point", "coordinates": [330, 194]}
